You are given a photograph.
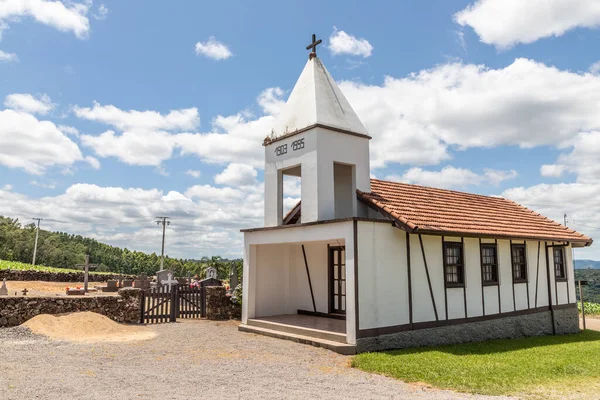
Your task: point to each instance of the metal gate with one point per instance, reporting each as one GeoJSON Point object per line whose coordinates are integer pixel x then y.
{"type": "Point", "coordinates": [167, 303]}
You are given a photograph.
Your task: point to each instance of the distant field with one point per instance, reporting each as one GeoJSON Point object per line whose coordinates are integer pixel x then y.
{"type": "Point", "coordinates": [17, 266]}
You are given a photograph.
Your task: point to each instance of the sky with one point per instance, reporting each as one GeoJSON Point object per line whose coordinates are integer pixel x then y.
{"type": "Point", "coordinates": [115, 112]}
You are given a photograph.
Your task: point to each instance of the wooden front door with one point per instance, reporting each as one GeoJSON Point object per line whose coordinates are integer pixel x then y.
{"type": "Point", "coordinates": [337, 280]}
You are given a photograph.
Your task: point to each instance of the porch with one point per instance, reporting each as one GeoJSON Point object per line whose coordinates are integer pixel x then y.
{"type": "Point", "coordinates": [319, 331]}
{"type": "Point", "coordinates": [300, 284]}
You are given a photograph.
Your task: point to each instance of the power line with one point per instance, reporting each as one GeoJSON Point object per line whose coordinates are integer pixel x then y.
{"type": "Point", "coordinates": [37, 234]}
{"type": "Point", "coordinates": [164, 222]}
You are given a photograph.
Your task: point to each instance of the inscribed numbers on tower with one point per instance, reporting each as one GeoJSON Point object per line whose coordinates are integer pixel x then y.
{"type": "Point", "coordinates": [283, 149]}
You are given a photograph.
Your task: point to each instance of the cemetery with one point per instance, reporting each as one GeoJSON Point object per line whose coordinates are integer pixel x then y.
{"type": "Point", "coordinates": [124, 299]}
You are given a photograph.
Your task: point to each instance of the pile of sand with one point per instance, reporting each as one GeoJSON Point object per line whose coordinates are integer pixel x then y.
{"type": "Point", "coordinates": [87, 327]}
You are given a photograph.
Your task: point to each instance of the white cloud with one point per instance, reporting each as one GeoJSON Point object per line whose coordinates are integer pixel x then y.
{"type": "Point", "coordinates": [34, 145]}
{"type": "Point", "coordinates": [237, 175]}
{"type": "Point", "coordinates": [505, 23]}
{"type": "Point", "coordinates": [50, 185]}
{"type": "Point", "coordinates": [101, 13]}
{"type": "Point", "coordinates": [8, 187]}
{"type": "Point", "coordinates": [552, 171]}
{"type": "Point", "coordinates": [7, 57]}
{"type": "Point", "coordinates": [580, 201]}
{"type": "Point", "coordinates": [140, 120]}
{"type": "Point", "coordinates": [342, 43]}
{"type": "Point", "coordinates": [145, 139]}
{"type": "Point", "coordinates": [41, 104]}
{"type": "Point", "coordinates": [69, 130]}
{"type": "Point", "coordinates": [451, 177]}
{"type": "Point", "coordinates": [414, 120]}
{"type": "Point", "coordinates": [193, 173]}
{"type": "Point", "coordinates": [133, 148]}
{"type": "Point", "coordinates": [94, 163]}
{"type": "Point", "coordinates": [66, 17]}
{"type": "Point", "coordinates": [583, 160]}
{"type": "Point", "coordinates": [214, 49]}
{"type": "Point", "coordinates": [595, 68]}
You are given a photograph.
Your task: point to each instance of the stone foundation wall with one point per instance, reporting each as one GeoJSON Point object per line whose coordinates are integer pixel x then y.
{"type": "Point", "coordinates": [124, 308]}
{"type": "Point", "coordinates": [219, 305]}
{"type": "Point", "coordinates": [12, 275]}
{"type": "Point", "coordinates": [536, 324]}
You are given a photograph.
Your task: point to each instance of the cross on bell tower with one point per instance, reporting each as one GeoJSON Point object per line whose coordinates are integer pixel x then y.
{"type": "Point", "coordinates": [313, 46]}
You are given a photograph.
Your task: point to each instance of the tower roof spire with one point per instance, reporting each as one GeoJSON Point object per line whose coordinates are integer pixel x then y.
{"type": "Point", "coordinates": [316, 100]}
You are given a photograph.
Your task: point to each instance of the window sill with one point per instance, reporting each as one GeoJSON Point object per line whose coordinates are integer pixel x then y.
{"type": "Point", "coordinates": [519, 280]}
{"type": "Point", "coordinates": [491, 283]}
{"type": "Point", "coordinates": [454, 285]}
{"type": "Point", "coordinates": [562, 280]}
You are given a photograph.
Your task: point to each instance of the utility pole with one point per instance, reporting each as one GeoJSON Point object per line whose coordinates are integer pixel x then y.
{"type": "Point", "coordinates": [164, 222]}
{"type": "Point", "coordinates": [37, 233]}
{"type": "Point", "coordinates": [566, 220]}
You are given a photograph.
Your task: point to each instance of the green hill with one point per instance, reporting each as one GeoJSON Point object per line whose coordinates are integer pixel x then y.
{"type": "Point", "coordinates": [587, 264]}
{"type": "Point", "coordinates": [64, 250]}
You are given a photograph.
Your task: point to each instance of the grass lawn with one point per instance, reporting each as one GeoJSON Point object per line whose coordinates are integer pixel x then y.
{"type": "Point", "coordinates": [540, 367]}
{"type": "Point", "coordinates": [17, 266]}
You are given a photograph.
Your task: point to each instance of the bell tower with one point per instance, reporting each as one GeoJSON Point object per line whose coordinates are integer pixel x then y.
{"type": "Point", "coordinates": [319, 138]}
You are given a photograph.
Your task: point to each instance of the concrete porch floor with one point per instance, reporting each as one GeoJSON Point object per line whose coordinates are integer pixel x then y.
{"type": "Point", "coordinates": [323, 332]}
{"type": "Point", "coordinates": [309, 321]}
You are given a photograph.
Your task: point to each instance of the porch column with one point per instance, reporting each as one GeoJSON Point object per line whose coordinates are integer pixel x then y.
{"type": "Point", "coordinates": [351, 295]}
{"type": "Point", "coordinates": [249, 283]}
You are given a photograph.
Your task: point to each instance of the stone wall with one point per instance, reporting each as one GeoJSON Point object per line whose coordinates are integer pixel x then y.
{"type": "Point", "coordinates": [124, 308]}
{"type": "Point", "coordinates": [30, 275]}
{"type": "Point", "coordinates": [219, 305]}
{"type": "Point", "coordinates": [535, 324]}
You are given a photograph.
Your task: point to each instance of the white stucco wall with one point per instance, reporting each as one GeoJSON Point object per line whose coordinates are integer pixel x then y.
{"type": "Point", "coordinates": [321, 149]}
{"type": "Point", "coordinates": [382, 275]}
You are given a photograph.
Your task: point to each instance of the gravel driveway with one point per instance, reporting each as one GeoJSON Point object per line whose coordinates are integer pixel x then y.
{"type": "Point", "coordinates": [192, 359]}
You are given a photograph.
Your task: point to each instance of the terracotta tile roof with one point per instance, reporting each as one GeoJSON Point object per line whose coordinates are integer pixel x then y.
{"type": "Point", "coordinates": [426, 209]}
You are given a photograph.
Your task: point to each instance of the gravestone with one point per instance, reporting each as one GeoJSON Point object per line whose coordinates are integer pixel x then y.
{"type": "Point", "coordinates": [163, 275]}
{"type": "Point", "coordinates": [170, 281]}
{"type": "Point", "coordinates": [3, 288]}
{"type": "Point", "coordinates": [75, 292]}
{"type": "Point", "coordinates": [127, 283]}
{"type": "Point", "coordinates": [142, 282]}
{"type": "Point", "coordinates": [211, 278]}
{"type": "Point", "coordinates": [233, 279]}
{"type": "Point", "coordinates": [111, 286]}
{"type": "Point", "coordinates": [211, 273]}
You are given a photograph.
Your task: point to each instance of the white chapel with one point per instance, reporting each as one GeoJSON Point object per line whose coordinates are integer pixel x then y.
{"type": "Point", "coordinates": [361, 264]}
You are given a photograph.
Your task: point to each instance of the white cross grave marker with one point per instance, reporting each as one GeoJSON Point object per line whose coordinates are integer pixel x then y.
{"type": "Point", "coordinates": [3, 289]}
{"type": "Point", "coordinates": [169, 281]}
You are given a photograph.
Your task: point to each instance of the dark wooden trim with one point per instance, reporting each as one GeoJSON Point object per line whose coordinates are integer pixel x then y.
{"type": "Point", "coordinates": [312, 294]}
{"type": "Point", "coordinates": [429, 279]}
{"type": "Point", "coordinates": [356, 302]}
{"type": "Point", "coordinates": [497, 236]}
{"type": "Point", "coordinates": [409, 272]}
{"type": "Point", "coordinates": [320, 314]}
{"type": "Point", "coordinates": [462, 242]}
{"type": "Point", "coordinates": [444, 279]}
{"type": "Point", "coordinates": [554, 276]}
{"type": "Point", "coordinates": [329, 279]}
{"type": "Point", "coordinates": [269, 141]}
{"type": "Point", "coordinates": [328, 221]}
{"type": "Point", "coordinates": [458, 321]}
{"type": "Point", "coordinates": [527, 280]}
{"type": "Point", "coordinates": [550, 290]}
{"type": "Point", "coordinates": [499, 279]}
{"type": "Point", "coordinates": [537, 274]}
{"type": "Point", "coordinates": [395, 221]}
{"type": "Point", "coordinates": [481, 276]}
{"type": "Point", "coordinates": [512, 270]}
